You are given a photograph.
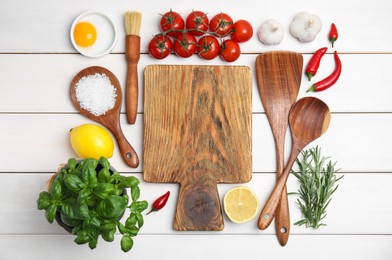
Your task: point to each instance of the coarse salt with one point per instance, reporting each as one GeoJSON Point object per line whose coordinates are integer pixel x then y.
{"type": "Point", "coordinates": [95, 93]}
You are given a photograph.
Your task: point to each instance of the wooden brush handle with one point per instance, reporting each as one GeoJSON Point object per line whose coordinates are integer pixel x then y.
{"type": "Point", "coordinates": [268, 212]}
{"type": "Point", "coordinates": [132, 53]}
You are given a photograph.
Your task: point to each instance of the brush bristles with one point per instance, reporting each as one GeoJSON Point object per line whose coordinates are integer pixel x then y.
{"type": "Point", "coordinates": [132, 23]}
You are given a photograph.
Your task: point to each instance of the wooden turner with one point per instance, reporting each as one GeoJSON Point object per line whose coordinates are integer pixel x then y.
{"type": "Point", "coordinates": [279, 76]}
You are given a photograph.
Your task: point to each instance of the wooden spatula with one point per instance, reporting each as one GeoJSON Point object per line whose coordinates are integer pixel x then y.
{"type": "Point", "coordinates": [279, 76]}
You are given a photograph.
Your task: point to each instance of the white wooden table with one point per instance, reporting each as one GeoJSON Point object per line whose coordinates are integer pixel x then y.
{"type": "Point", "coordinates": [37, 63]}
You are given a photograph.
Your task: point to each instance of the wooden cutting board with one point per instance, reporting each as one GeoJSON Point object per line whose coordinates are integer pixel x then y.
{"type": "Point", "coordinates": [197, 132]}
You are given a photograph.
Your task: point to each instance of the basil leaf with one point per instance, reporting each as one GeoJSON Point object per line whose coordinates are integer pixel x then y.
{"type": "Point", "coordinates": [71, 165]}
{"type": "Point", "coordinates": [91, 200]}
{"type": "Point", "coordinates": [50, 213]}
{"type": "Point", "coordinates": [103, 189]}
{"type": "Point", "coordinates": [126, 243]}
{"type": "Point", "coordinates": [83, 195]}
{"type": "Point", "coordinates": [69, 222]}
{"type": "Point", "coordinates": [131, 220]}
{"type": "Point", "coordinates": [112, 207]}
{"type": "Point", "coordinates": [104, 176]}
{"type": "Point", "coordinates": [55, 190]}
{"type": "Point", "coordinates": [108, 235]}
{"type": "Point", "coordinates": [73, 182]}
{"type": "Point", "coordinates": [130, 181]}
{"type": "Point", "coordinates": [89, 176]}
{"type": "Point", "coordinates": [135, 193]}
{"type": "Point", "coordinates": [108, 227]}
{"type": "Point", "coordinates": [140, 220]}
{"type": "Point", "coordinates": [104, 162]}
{"type": "Point", "coordinates": [43, 201]}
{"type": "Point", "coordinates": [83, 211]}
{"type": "Point", "coordinates": [82, 238]}
{"type": "Point", "coordinates": [92, 243]}
{"type": "Point", "coordinates": [123, 229]}
{"type": "Point", "coordinates": [141, 205]}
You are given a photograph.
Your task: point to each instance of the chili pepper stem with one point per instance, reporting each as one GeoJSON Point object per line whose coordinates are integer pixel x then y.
{"type": "Point", "coordinates": [312, 89]}
{"type": "Point", "coordinates": [310, 75]}
{"type": "Point", "coordinates": [152, 210]}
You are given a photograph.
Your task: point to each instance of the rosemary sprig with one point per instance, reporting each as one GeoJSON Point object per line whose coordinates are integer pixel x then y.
{"type": "Point", "coordinates": [317, 184]}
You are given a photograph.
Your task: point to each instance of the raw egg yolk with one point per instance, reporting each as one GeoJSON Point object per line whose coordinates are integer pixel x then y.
{"type": "Point", "coordinates": [85, 34]}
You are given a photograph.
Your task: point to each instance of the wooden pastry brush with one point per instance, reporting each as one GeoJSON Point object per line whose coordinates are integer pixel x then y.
{"type": "Point", "coordinates": [132, 53]}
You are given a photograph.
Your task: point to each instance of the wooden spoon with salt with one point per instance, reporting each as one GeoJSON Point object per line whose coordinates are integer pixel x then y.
{"type": "Point", "coordinates": [111, 118]}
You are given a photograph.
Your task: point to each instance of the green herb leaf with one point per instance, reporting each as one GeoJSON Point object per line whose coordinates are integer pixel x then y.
{"type": "Point", "coordinates": [104, 176]}
{"type": "Point", "coordinates": [82, 238]}
{"type": "Point", "coordinates": [126, 243]}
{"type": "Point", "coordinates": [50, 213]}
{"type": "Point", "coordinates": [43, 201]}
{"type": "Point", "coordinates": [73, 182]}
{"type": "Point", "coordinates": [103, 189]}
{"type": "Point", "coordinates": [104, 162]}
{"type": "Point", "coordinates": [108, 235]}
{"type": "Point", "coordinates": [55, 190]}
{"type": "Point", "coordinates": [135, 193]}
{"type": "Point", "coordinates": [131, 220]}
{"type": "Point", "coordinates": [71, 164]}
{"type": "Point", "coordinates": [140, 220]}
{"type": "Point", "coordinates": [112, 207]}
{"type": "Point", "coordinates": [130, 181]}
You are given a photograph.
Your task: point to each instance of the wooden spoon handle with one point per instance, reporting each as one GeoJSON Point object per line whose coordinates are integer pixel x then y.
{"type": "Point", "coordinates": [268, 212]}
{"type": "Point", "coordinates": [132, 53]}
{"type": "Point", "coordinates": [127, 152]}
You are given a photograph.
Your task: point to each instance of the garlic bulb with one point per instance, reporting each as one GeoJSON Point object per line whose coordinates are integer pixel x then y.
{"type": "Point", "coordinates": [305, 27]}
{"type": "Point", "coordinates": [270, 32]}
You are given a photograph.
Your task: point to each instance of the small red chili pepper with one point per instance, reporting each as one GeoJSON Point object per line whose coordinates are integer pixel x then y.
{"type": "Point", "coordinates": [160, 202]}
{"type": "Point", "coordinates": [331, 79]}
{"type": "Point", "coordinates": [314, 62]}
{"type": "Point", "coordinates": [333, 34]}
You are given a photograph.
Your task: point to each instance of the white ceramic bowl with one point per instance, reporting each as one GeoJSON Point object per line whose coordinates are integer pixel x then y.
{"type": "Point", "coordinates": [106, 34]}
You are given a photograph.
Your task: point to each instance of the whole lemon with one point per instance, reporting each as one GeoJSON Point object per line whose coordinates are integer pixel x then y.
{"type": "Point", "coordinates": [91, 141]}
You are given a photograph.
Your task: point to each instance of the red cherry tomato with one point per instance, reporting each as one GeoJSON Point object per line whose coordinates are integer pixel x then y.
{"type": "Point", "coordinates": [221, 24]}
{"type": "Point", "coordinates": [173, 22]}
{"type": "Point", "coordinates": [208, 47]}
{"type": "Point", "coordinates": [185, 45]}
{"type": "Point", "coordinates": [243, 31]}
{"type": "Point", "coordinates": [197, 23]}
{"type": "Point", "coordinates": [160, 46]}
{"type": "Point", "coordinates": [230, 50]}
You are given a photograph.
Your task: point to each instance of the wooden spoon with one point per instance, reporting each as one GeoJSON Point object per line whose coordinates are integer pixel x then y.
{"type": "Point", "coordinates": [111, 119]}
{"type": "Point", "coordinates": [279, 76]}
{"type": "Point", "coordinates": [309, 118]}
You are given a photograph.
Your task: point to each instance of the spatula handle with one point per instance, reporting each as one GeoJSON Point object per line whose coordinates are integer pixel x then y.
{"type": "Point", "coordinates": [132, 53]}
{"type": "Point", "coordinates": [282, 219]}
{"type": "Point", "coordinates": [268, 212]}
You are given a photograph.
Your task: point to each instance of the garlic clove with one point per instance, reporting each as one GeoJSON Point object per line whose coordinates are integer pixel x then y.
{"type": "Point", "coordinates": [270, 32]}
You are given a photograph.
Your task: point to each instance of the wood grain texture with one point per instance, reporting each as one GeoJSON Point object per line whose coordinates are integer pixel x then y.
{"type": "Point", "coordinates": [197, 132]}
{"type": "Point", "coordinates": [309, 119]}
{"type": "Point", "coordinates": [132, 53]}
{"type": "Point", "coordinates": [111, 119]}
{"type": "Point", "coordinates": [279, 76]}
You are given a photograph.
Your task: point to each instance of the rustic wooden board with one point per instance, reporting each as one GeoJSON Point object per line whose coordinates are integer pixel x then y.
{"type": "Point", "coordinates": [197, 132]}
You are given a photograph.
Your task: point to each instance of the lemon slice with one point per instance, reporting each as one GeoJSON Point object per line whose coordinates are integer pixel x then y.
{"type": "Point", "coordinates": [241, 204]}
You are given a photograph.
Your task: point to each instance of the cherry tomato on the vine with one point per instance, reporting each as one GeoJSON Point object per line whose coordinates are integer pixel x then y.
{"type": "Point", "coordinates": [230, 50]}
{"type": "Point", "coordinates": [160, 46]}
{"type": "Point", "coordinates": [243, 31]}
{"type": "Point", "coordinates": [173, 22]}
{"type": "Point", "coordinates": [197, 23]}
{"type": "Point", "coordinates": [185, 45]}
{"type": "Point", "coordinates": [221, 24]}
{"type": "Point", "coordinates": [208, 47]}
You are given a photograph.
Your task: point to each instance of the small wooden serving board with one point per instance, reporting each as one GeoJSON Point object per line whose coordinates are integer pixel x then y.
{"type": "Point", "coordinates": [197, 132]}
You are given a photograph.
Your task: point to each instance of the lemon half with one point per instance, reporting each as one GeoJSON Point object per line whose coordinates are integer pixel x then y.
{"type": "Point", "coordinates": [91, 141]}
{"type": "Point", "coordinates": [241, 204]}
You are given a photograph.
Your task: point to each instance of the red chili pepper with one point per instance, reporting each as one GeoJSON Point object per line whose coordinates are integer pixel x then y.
{"type": "Point", "coordinates": [333, 34]}
{"type": "Point", "coordinates": [160, 202]}
{"type": "Point", "coordinates": [331, 79]}
{"type": "Point", "coordinates": [314, 62]}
